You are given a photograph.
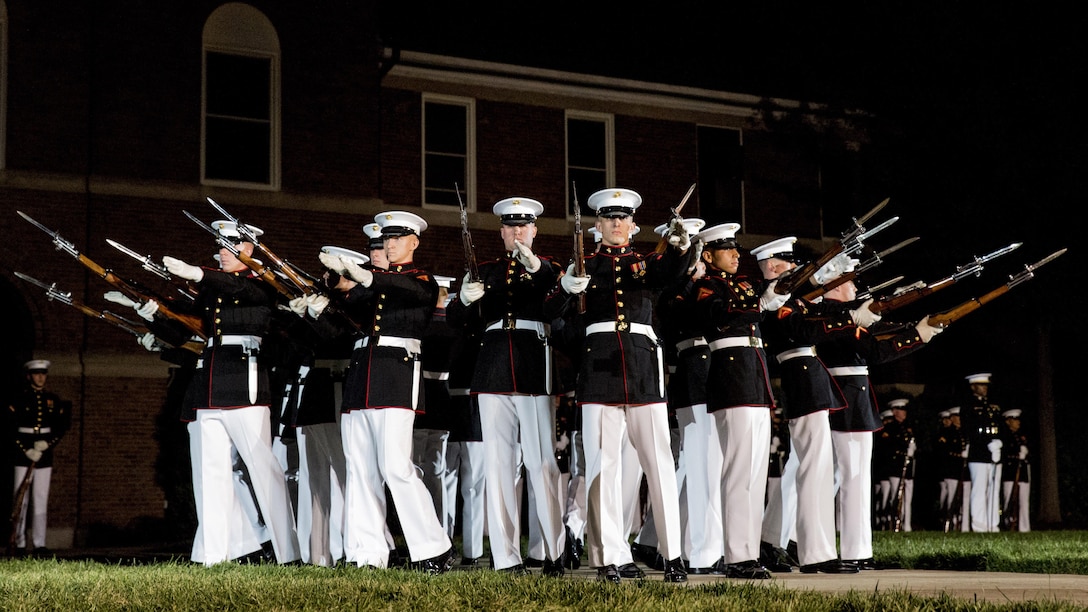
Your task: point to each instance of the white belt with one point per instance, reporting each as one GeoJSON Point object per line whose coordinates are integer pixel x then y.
{"type": "Point", "coordinates": [412, 345]}
{"type": "Point", "coordinates": [804, 351]}
{"type": "Point", "coordinates": [735, 341]}
{"type": "Point", "coordinates": [612, 326]}
{"type": "Point", "coordinates": [432, 375]}
{"type": "Point", "coordinates": [541, 329]}
{"type": "Point", "coordinates": [684, 345]}
{"type": "Point", "coordinates": [33, 430]}
{"type": "Point", "coordinates": [849, 371]}
{"type": "Point", "coordinates": [249, 342]}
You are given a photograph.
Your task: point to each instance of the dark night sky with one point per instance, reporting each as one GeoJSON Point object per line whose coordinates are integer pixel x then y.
{"type": "Point", "coordinates": [993, 145]}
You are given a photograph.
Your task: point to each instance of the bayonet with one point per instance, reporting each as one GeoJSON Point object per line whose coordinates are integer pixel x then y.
{"type": "Point", "coordinates": [61, 243]}
{"type": "Point", "coordinates": [975, 267]}
{"type": "Point", "coordinates": [878, 258]}
{"type": "Point", "coordinates": [149, 264]}
{"type": "Point", "coordinates": [855, 242]}
{"type": "Point", "coordinates": [859, 222]}
{"type": "Point", "coordinates": [864, 295]}
{"type": "Point", "coordinates": [65, 297]}
{"type": "Point", "coordinates": [266, 273]}
{"type": "Point", "coordinates": [948, 317]}
{"type": "Point", "coordinates": [676, 211]}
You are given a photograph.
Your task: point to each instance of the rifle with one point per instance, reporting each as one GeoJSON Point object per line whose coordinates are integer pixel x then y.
{"type": "Point", "coordinates": [850, 243]}
{"type": "Point", "coordinates": [192, 323]}
{"type": "Point", "coordinates": [872, 262]}
{"type": "Point", "coordinates": [264, 272]}
{"type": "Point", "coordinates": [471, 268]}
{"type": "Point", "coordinates": [955, 507]}
{"type": "Point", "coordinates": [17, 507]}
{"type": "Point", "coordinates": [579, 252]}
{"type": "Point", "coordinates": [674, 220]}
{"type": "Point", "coordinates": [1010, 514]}
{"type": "Point", "coordinates": [900, 493]}
{"type": "Point", "coordinates": [921, 290]}
{"type": "Point", "coordinates": [948, 317]}
{"type": "Point", "coordinates": [281, 265]}
{"type": "Point", "coordinates": [147, 263]}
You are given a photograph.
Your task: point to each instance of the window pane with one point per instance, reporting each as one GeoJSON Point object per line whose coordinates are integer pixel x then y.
{"type": "Point", "coordinates": [446, 128]}
{"type": "Point", "coordinates": [587, 182]}
{"type": "Point", "coordinates": [238, 86]}
{"type": "Point", "coordinates": [585, 143]}
{"type": "Point", "coordinates": [237, 150]}
{"type": "Point", "coordinates": [721, 167]}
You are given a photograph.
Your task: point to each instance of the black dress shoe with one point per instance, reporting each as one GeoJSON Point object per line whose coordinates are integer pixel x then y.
{"type": "Point", "coordinates": [630, 570]}
{"type": "Point", "coordinates": [573, 557]}
{"type": "Point", "coordinates": [775, 558]}
{"type": "Point", "coordinates": [705, 571]}
{"type": "Point", "coordinates": [517, 570]}
{"type": "Point", "coordinates": [470, 562]}
{"type": "Point", "coordinates": [439, 564]}
{"type": "Point", "coordinates": [608, 573]}
{"type": "Point", "coordinates": [674, 571]}
{"type": "Point", "coordinates": [833, 566]}
{"type": "Point", "coordinates": [554, 569]}
{"type": "Point", "coordinates": [863, 564]}
{"type": "Point", "coordinates": [643, 553]}
{"type": "Point", "coordinates": [531, 562]}
{"type": "Point", "coordinates": [748, 570]}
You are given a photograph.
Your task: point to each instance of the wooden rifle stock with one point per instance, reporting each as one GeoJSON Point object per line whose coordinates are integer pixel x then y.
{"type": "Point", "coordinates": [793, 280]}
{"type": "Point", "coordinates": [579, 249]}
{"type": "Point", "coordinates": [472, 269]}
{"type": "Point", "coordinates": [909, 297]}
{"type": "Point", "coordinates": [952, 315]}
{"type": "Point", "coordinates": [267, 275]}
{"type": "Point", "coordinates": [901, 494]}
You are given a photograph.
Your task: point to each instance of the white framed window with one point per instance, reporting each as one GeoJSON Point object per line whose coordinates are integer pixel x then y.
{"type": "Point", "coordinates": [240, 101]}
{"type": "Point", "coordinates": [591, 164]}
{"type": "Point", "coordinates": [449, 151]}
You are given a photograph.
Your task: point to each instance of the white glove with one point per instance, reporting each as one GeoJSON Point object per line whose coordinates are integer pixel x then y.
{"type": "Point", "coordinates": [927, 331]}
{"type": "Point", "coordinates": [776, 442]}
{"type": "Point", "coordinates": [316, 303]}
{"type": "Point", "coordinates": [862, 316]}
{"type": "Point", "coordinates": [525, 257]}
{"type": "Point", "coordinates": [148, 342]}
{"type": "Point", "coordinates": [771, 300]}
{"type": "Point", "coordinates": [41, 445]}
{"type": "Point", "coordinates": [563, 442]}
{"type": "Point", "coordinates": [119, 298]}
{"type": "Point", "coordinates": [148, 309]}
{"type": "Point", "coordinates": [298, 305]}
{"type": "Point", "coordinates": [911, 448]}
{"type": "Point", "coordinates": [357, 273]}
{"type": "Point", "coordinates": [995, 450]}
{"type": "Point", "coordinates": [181, 269]}
{"type": "Point", "coordinates": [33, 454]}
{"type": "Point", "coordinates": [573, 284]}
{"type": "Point", "coordinates": [966, 450]}
{"type": "Point", "coordinates": [332, 262]}
{"type": "Point", "coordinates": [1023, 452]}
{"type": "Point", "coordinates": [470, 291]}
{"type": "Point", "coordinates": [678, 235]}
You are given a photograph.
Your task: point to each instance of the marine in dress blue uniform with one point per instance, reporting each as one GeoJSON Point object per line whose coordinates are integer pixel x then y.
{"type": "Point", "coordinates": [621, 381]}
{"type": "Point", "coordinates": [982, 425]}
{"type": "Point", "coordinates": [512, 384]}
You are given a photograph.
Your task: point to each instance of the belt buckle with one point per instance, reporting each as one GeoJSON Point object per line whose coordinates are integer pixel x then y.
{"type": "Point", "coordinates": [508, 324]}
{"type": "Point", "coordinates": [753, 341]}
{"type": "Point", "coordinates": [621, 326]}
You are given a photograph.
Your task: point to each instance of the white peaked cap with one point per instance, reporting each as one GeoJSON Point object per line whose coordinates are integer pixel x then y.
{"type": "Point", "coordinates": [781, 248]}
{"type": "Point", "coordinates": [444, 281]}
{"type": "Point", "coordinates": [400, 223]}
{"type": "Point", "coordinates": [230, 228]}
{"type": "Point", "coordinates": [721, 236]}
{"type": "Point", "coordinates": [355, 256]}
{"type": "Point", "coordinates": [981, 377]}
{"type": "Point", "coordinates": [615, 202]}
{"type": "Point", "coordinates": [518, 210]}
{"type": "Point", "coordinates": [691, 226]}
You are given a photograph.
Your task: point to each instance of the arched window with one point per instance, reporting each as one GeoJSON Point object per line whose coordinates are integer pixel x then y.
{"type": "Point", "coordinates": [240, 114]}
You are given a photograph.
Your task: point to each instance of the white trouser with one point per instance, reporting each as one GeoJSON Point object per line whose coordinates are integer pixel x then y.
{"type": "Point", "coordinates": [985, 496]}
{"type": "Point", "coordinates": [574, 515]}
{"type": "Point", "coordinates": [378, 447]}
{"type": "Point", "coordinates": [39, 492]}
{"type": "Point", "coordinates": [525, 422]}
{"type": "Point", "coordinates": [893, 504]}
{"type": "Point", "coordinates": [810, 440]}
{"type": "Point", "coordinates": [247, 432]}
{"type": "Point", "coordinates": [780, 515]}
{"type": "Point", "coordinates": [647, 534]}
{"type": "Point", "coordinates": [965, 507]}
{"type": "Point", "coordinates": [429, 456]}
{"type": "Point", "coordinates": [287, 455]}
{"type": "Point", "coordinates": [704, 540]}
{"type": "Point", "coordinates": [1023, 523]}
{"type": "Point", "coordinates": [744, 434]}
{"type": "Point", "coordinates": [604, 428]}
{"type": "Point", "coordinates": [632, 488]}
{"type": "Point", "coordinates": [322, 474]}
{"type": "Point", "coordinates": [465, 477]}
{"type": "Point", "coordinates": [854, 477]}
